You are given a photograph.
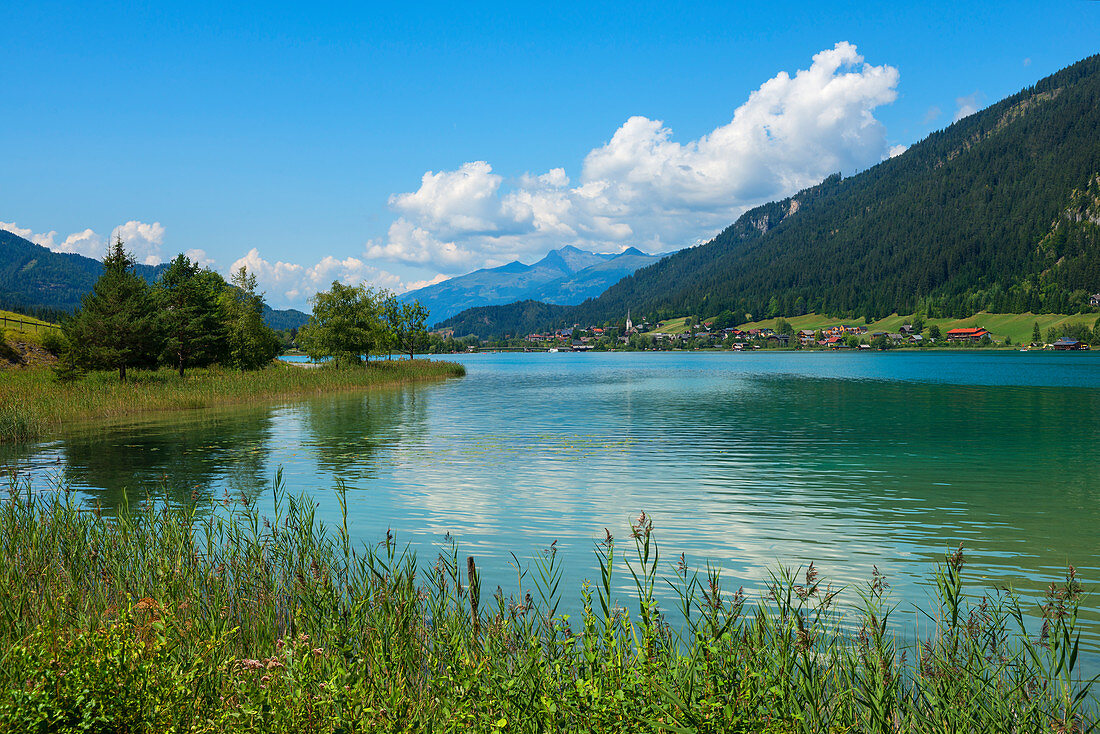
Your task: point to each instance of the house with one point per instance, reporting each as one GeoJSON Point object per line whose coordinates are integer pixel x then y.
{"type": "Point", "coordinates": [1094, 300]}
{"type": "Point", "coordinates": [906, 329]}
{"type": "Point", "coordinates": [835, 342]}
{"type": "Point", "coordinates": [896, 338]}
{"type": "Point", "coordinates": [916, 339]}
{"type": "Point", "coordinates": [970, 334]}
{"type": "Point", "coordinates": [1066, 344]}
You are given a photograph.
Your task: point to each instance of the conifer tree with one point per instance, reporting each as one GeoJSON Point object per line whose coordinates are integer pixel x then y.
{"type": "Point", "coordinates": [187, 297]}
{"type": "Point", "coordinates": [116, 325]}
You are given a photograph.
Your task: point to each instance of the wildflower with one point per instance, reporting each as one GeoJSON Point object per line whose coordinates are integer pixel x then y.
{"type": "Point", "coordinates": [318, 651]}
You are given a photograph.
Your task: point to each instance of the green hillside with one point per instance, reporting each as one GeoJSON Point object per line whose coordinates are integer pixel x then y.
{"type": "Point", "coordinates": [1015, 326]}
{"type": "Point", "coordinates": [999, 212]}
{"type": "Point", "coordinates": [37, 280]}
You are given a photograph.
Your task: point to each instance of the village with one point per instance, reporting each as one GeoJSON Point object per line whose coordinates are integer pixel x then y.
{"type": "Point", "coordinates": [707, 335]}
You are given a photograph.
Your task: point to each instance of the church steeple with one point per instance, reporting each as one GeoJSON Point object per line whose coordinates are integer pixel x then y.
{"type": "Point", "coordinates": [629, 323]}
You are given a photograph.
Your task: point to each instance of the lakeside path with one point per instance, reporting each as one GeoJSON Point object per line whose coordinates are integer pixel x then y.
{"type": "Point", "coordinates": [33, 404]}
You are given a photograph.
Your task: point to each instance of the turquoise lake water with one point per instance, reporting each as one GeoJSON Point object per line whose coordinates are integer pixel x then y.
{"type": "Point", "coordinates": [745, 460]}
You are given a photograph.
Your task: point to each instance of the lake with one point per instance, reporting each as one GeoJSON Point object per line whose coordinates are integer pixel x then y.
{"type": "Point", "coordinates": [747, 460]}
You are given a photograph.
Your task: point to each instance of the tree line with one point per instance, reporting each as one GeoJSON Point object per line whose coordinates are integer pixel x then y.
{"type": "Point", "coordinates": [191, 317]}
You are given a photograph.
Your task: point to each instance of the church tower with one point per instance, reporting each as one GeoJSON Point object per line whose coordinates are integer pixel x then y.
{"type": "Point", "coordinates": [629, 323]}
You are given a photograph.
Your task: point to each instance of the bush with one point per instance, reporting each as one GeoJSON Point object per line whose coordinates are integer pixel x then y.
{"type": "Point", "coordinates": [54, 341]}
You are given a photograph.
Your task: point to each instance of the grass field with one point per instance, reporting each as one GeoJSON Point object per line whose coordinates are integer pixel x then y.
{"type": "Point", "coordinates": [257, 618]}
{"type": "Point", "coordinates": [33, 403]}
{"type": "Point", "coordinates": [1017, 326]}
{"type": "Point", "coordinates": [21, 331]}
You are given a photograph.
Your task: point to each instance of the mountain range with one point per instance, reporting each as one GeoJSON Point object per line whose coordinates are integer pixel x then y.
{"type": "Point", "coordinates": [998, 212]}
{"type": "Point", "coordinates": [565, 276]}
{"type": "Point", "coordinates": [34, 277]}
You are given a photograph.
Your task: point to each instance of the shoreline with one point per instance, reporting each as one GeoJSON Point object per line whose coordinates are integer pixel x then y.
{"type": "Point", "coordinates": [33, 405]}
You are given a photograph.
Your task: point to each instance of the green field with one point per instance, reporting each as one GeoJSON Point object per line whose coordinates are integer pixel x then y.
{"type": "Point", "coordinates": [1016, 326]}
{"type": "Point", "coordinates": [33, 331]}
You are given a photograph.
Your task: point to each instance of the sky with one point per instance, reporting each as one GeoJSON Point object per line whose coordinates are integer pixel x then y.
{"type": "Point", "coordinates": [397, 146]}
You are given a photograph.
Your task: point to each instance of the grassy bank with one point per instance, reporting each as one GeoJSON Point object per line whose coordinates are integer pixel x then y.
{"type": "Point", "coordinates": [33, 404]}
{"type": "Point", "coordinates": [24, 328]}
{"type": "Point", "coordinates": [169, 620]}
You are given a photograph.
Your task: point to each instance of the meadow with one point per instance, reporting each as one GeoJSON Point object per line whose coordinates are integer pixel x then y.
{"type": "Point", "coordinates": [33, 403]}
{"type": "Point", "coordinates": [257, 618]}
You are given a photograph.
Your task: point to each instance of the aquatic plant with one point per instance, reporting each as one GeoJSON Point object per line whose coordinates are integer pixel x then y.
{"type": "Point", "coordinates": [34, 403]}
{"type": "Point", "coordinates": [257, 617]}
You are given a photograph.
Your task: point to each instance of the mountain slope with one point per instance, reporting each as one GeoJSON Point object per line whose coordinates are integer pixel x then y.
{"type": "Point", "coordinates": [565, 276]}
{"type": "Point", "coordinates": [984, 215]}
{"type": "Point", "coordinates": [34, 277]}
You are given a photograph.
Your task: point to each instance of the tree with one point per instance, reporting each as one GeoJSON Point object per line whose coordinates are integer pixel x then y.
{"type": "Point", "coordinates": [1036, 335]}
{"type": "Point", "coordinates": [347, 323]}
{"type": "Point", "coordinates": [251, 343]}
{"type": "Point", "coordinates": [783, 327]}
{"type": "Point", "coordinates": [116, 325]}
{"type": "Point", "coordinates": [407, 324]}
{"type": "Point", "coordinates": [187, 299]}
{"type": "Point", "coordinates": [934, 331]}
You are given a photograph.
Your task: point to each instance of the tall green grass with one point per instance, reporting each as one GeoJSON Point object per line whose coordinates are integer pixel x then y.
{"type": "Point", "coordinates": [259, 618]}
{"type": "Point", "coordinates": [33, 403]}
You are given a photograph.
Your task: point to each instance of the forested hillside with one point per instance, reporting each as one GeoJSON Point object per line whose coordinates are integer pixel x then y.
{"type": "Point", "coordinates": [999, 212]}
{"type": "Point", "coordinates": [37, 281]}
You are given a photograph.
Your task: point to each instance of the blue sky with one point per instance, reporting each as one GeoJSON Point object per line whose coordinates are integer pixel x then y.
{"type": "Point", "coordinates": [296, 138]}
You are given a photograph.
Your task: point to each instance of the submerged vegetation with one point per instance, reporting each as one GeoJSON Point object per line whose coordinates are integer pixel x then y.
{"type": "Point", "coordinates": [33, 403]}
{"type": "Point", "coordinates": [175, 619]}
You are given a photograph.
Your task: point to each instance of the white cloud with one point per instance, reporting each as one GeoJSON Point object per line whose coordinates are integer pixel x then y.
{"type": "Point", "coordinates": [966, 106]}
{"type": "Point", "coordinates": [645, 188]}
{"type": "Point", "coordinates": [931, 114]}
{"type": "Point", "coordinates": [143, 241]}
{"type": "Point", "coordinates": [292, 283]}
{"type": "Point", "coordinates": [896, 150]}
{"type": "Point", "coordinates": [199, 256]}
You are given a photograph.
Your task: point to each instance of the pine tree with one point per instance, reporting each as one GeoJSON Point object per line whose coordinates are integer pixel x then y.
{"type": "Point", "coordinates": [187, 297]}
{"type": "Point", "coordinates": [116, 325]}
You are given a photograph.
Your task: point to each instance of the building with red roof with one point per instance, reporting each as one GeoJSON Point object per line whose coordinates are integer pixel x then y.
{"type": "Point", "coordinates": [970, 334]}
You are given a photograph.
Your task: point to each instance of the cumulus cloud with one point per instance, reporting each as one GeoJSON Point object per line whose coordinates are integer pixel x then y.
{"type": "Point", "coordinates": [896, 150]}
{"type": "Point", "coordinates": [292, 283]}
{"type": "Point", "coordinates": [966, 106]}
{"type": "Point", "coordinates": [143, 241]}
{"type": "Point", "coordinates": [645, 188]}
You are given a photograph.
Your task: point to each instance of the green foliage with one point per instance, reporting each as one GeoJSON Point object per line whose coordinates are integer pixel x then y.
{"type": "Point", "coordinates": [167, 619]}
{"type": "Point", "coordinates": [187, 298]}
{"type": "Point", "coordinates": [116, 326]}
{"type": "Point", "coordinates": [7, 351]}
{"type": "Point", "coordinates": [934, 331]}
{"type": "Point", "coordinates": [251, 343]}
{"type": "Point", "coordinates": [347, 323]}
{"type": "Point", "coordinates": [782, 326]}
{"type": "Point", "coordinates": [406, 324]}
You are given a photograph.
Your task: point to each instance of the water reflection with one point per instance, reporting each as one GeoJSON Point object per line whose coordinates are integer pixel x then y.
{"type": "Point", "coordinates": [850, 461]}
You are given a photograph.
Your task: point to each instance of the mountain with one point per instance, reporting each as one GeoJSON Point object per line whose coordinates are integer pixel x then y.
{"type": "Point", "coordinates": [565, 276]}
{"type": "Point", "coordinates": [997, 212]}
{"type": "Point", "coordinates": [34, 277]}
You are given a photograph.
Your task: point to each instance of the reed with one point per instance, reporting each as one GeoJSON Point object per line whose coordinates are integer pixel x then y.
{"type": "Point", "coordinates": [250, 618]}
{"type": "Point", "coordinates": [33, 403]}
